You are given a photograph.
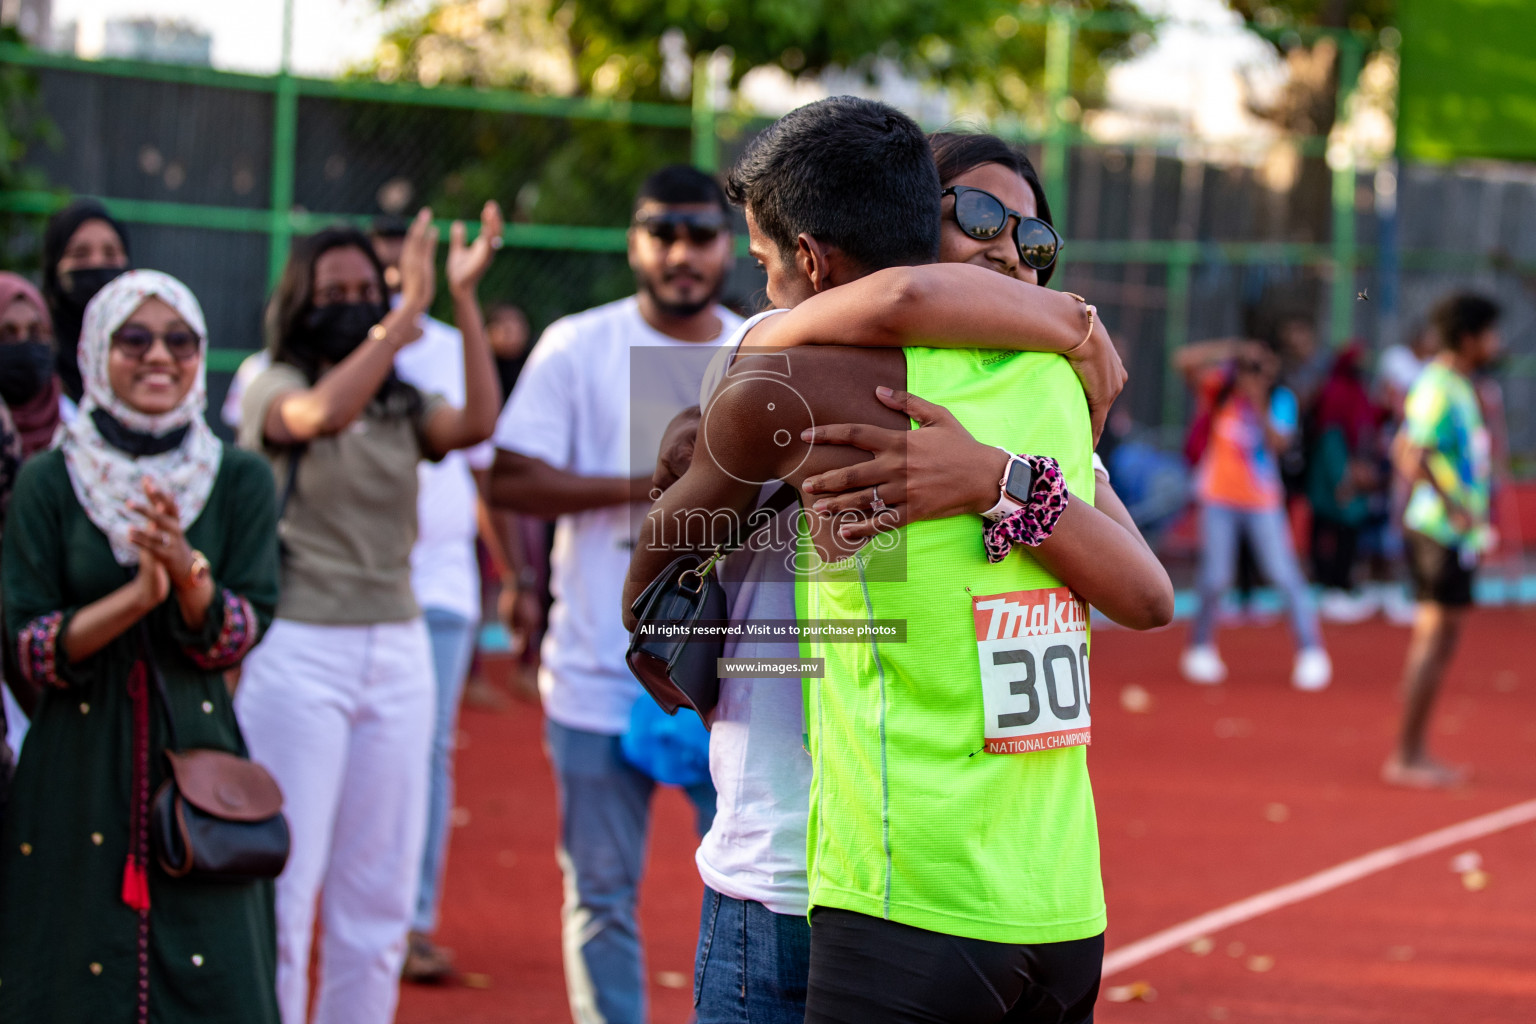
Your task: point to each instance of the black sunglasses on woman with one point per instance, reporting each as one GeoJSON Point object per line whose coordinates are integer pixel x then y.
{"type": "Point", "coordinates": [983, 216]}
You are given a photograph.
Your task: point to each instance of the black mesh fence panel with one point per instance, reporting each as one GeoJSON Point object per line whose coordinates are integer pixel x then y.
{"type": "Point", "coordinates": [1170, 249]}
{"type": "Point", "coordinates": [136, 139]}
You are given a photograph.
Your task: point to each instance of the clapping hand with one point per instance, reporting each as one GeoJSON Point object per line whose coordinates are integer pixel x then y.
{"type": "Point", "coordinates": [418, 272]}
{"type": "Point", "coordinates": [161, 538]}
{"type": "Point", "coordinates": [161, 545]}
{"type": "Point", "coordinates": [152, 581]}
{"type": "Point", "coordinates": [467, 263]}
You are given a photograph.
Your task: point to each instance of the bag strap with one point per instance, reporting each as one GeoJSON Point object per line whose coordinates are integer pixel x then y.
{"type": "Point", "coordinates": [292, 480]}
{"type": "Point", "coordinates": [289, 484]}
{"type": "Point", "coordinates": [758, 522]}
{"type": "Point", "coordinates": [153, 667]}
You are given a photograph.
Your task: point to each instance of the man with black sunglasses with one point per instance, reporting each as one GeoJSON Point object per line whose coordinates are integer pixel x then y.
{"type": "Point", "coordinates": [598, 387]}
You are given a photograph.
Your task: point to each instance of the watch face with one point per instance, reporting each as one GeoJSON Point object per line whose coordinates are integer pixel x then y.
{"type": "Point", "coordinates": [1020, 481]}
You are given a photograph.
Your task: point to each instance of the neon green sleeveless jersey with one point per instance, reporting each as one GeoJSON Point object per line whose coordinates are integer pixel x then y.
{"type": "Point", "coordinates": [911, 819]}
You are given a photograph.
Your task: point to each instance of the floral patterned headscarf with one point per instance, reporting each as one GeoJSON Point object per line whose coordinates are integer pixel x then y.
{"type": "Point", "coordinates": [104, 477]}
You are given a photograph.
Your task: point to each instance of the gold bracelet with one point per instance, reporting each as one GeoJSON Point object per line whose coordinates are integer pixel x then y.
{"type": "Point", "coordinates": [198, 570]}
{"type": "Point", "coordinates": [1092, 312]}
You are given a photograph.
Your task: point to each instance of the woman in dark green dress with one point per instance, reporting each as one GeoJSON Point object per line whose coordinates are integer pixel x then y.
{"type": "Point", "coordinates": [140, 515]}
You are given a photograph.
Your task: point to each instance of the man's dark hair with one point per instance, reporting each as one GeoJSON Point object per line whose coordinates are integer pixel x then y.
{"type": "Point", "coordinates": [954, 153]}
{"type": "Point", "coordinates": [501, 306]}
{"type": "Point", "coordinates": [680, 183]}
{"type": "Point", "coordinates": [387, 225]}
{"type": "Point", "coordinates": [1461, 316]}
{"type": "Point", "coordinates": [851, 173]}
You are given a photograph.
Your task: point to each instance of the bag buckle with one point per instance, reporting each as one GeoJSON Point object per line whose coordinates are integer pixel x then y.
{"type": "Point", "coordinates": [700, 572]}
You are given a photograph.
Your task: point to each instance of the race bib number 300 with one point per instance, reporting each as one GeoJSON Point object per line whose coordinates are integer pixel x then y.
{"type": "Point", "coordinates": [1033, 646]}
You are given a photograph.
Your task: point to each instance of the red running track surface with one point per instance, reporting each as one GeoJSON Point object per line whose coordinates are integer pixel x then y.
{"type": "Point", "coordinates": [1209, 796]}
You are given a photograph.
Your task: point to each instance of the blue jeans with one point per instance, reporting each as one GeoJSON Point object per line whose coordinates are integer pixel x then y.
{"type": "Point", "coordinates": [1270, 537]}
{"type": "Point", "coordinates": [453, 645]}
{"type": "Point", "coordinates": [605, 807]}
{"type": "Point", "coordinates": [752, 964]}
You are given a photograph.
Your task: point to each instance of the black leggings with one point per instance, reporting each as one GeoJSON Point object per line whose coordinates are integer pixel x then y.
{"type": "Point", "coordinates": [865, 970]}
{"type": "Point", "coordinates": [1333, 553]}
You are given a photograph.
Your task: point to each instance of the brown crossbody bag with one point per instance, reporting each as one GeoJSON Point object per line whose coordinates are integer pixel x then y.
{"type": "Point", "coordinates": [217, 815]}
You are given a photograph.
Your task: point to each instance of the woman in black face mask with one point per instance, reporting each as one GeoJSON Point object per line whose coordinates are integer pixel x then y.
{"type": "Point", "coordinates": [29, 401]}
{"type": "Point", "coordinates": [339, 702]}
{"type": "Point", "coordinates": [84, 247]}
{"type": "Point", "coordinates": [29, 414]}
{"type": "Point", "coordinates": [28, 384]}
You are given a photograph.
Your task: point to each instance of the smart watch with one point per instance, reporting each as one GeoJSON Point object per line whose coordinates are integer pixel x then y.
{"type": "Point", "coordinates": [1013, 489]}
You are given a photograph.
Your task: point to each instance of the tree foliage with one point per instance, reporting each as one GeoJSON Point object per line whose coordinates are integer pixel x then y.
{"type": "Point", "coordinates": [1272, 17]}
{"type": "Point", "coordinates": [976, 47]}
{"type": "Point", "coordinates": [989, 58]}
{"type": "Point", "coordinates": [980, 50]}
{"type": "Point", "coordinates": [1307, 104]}
{"type": "Point", "coordinates": [23, 125]}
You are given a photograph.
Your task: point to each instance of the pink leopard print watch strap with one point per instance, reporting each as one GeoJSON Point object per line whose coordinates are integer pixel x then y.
{"type": "Point", "coordinates": [1033, 523]}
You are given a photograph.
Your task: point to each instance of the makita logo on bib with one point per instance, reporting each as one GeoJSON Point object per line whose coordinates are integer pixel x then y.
{"type": "Point", "coordinates": [1029, 613]}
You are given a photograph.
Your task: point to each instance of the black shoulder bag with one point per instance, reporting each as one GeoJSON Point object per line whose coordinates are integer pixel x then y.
{"type": "Point", "coordinates": [218, 815]}
{"type": "Point", "coordinates": [676, 669]}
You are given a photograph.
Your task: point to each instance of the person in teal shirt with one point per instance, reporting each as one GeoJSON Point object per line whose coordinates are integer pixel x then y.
{"type": "Point", "coordinates": [1443, 454]}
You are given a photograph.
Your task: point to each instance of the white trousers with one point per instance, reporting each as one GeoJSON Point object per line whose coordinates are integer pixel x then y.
{"type": "Point", "coordinates": [342, 718]}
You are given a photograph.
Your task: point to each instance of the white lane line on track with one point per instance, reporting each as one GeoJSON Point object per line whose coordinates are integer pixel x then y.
{"type": "Point", "coordinates": [1315, 885]}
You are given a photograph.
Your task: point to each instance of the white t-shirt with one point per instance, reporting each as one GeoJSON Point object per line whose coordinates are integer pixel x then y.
{"type": "Point", "coordinates": [1398, 367]}
{"type": "Point", "coordinates": [572, 408]}
{"type": "Point", "coordinates": [755, 850]}
{"type": "Point", "coordinates": [251, 367]}
{"type": "Point", "coordinates": [444, 571]}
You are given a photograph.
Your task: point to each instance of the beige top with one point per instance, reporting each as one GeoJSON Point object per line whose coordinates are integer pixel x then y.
{"type": "Point", "coordinates": [350, 522]}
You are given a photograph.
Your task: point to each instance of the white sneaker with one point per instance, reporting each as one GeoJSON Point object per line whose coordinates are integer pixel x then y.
{"type": "Point", "coordinates": [1342, 606]}
{"type": "Point", "coordinates": [1397, 606]}
{"type": "Point", "coordinates": [1314, 670]}
{"type": "Point", "coordinates": [1202, 664]}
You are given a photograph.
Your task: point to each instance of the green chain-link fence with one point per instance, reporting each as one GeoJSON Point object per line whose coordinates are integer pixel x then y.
{"type": "Point", "coordinates": [216, 172]}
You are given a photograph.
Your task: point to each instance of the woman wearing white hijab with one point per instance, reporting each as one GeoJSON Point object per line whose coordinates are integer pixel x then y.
{"type": "Point", "coordinates": [140, 515]}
